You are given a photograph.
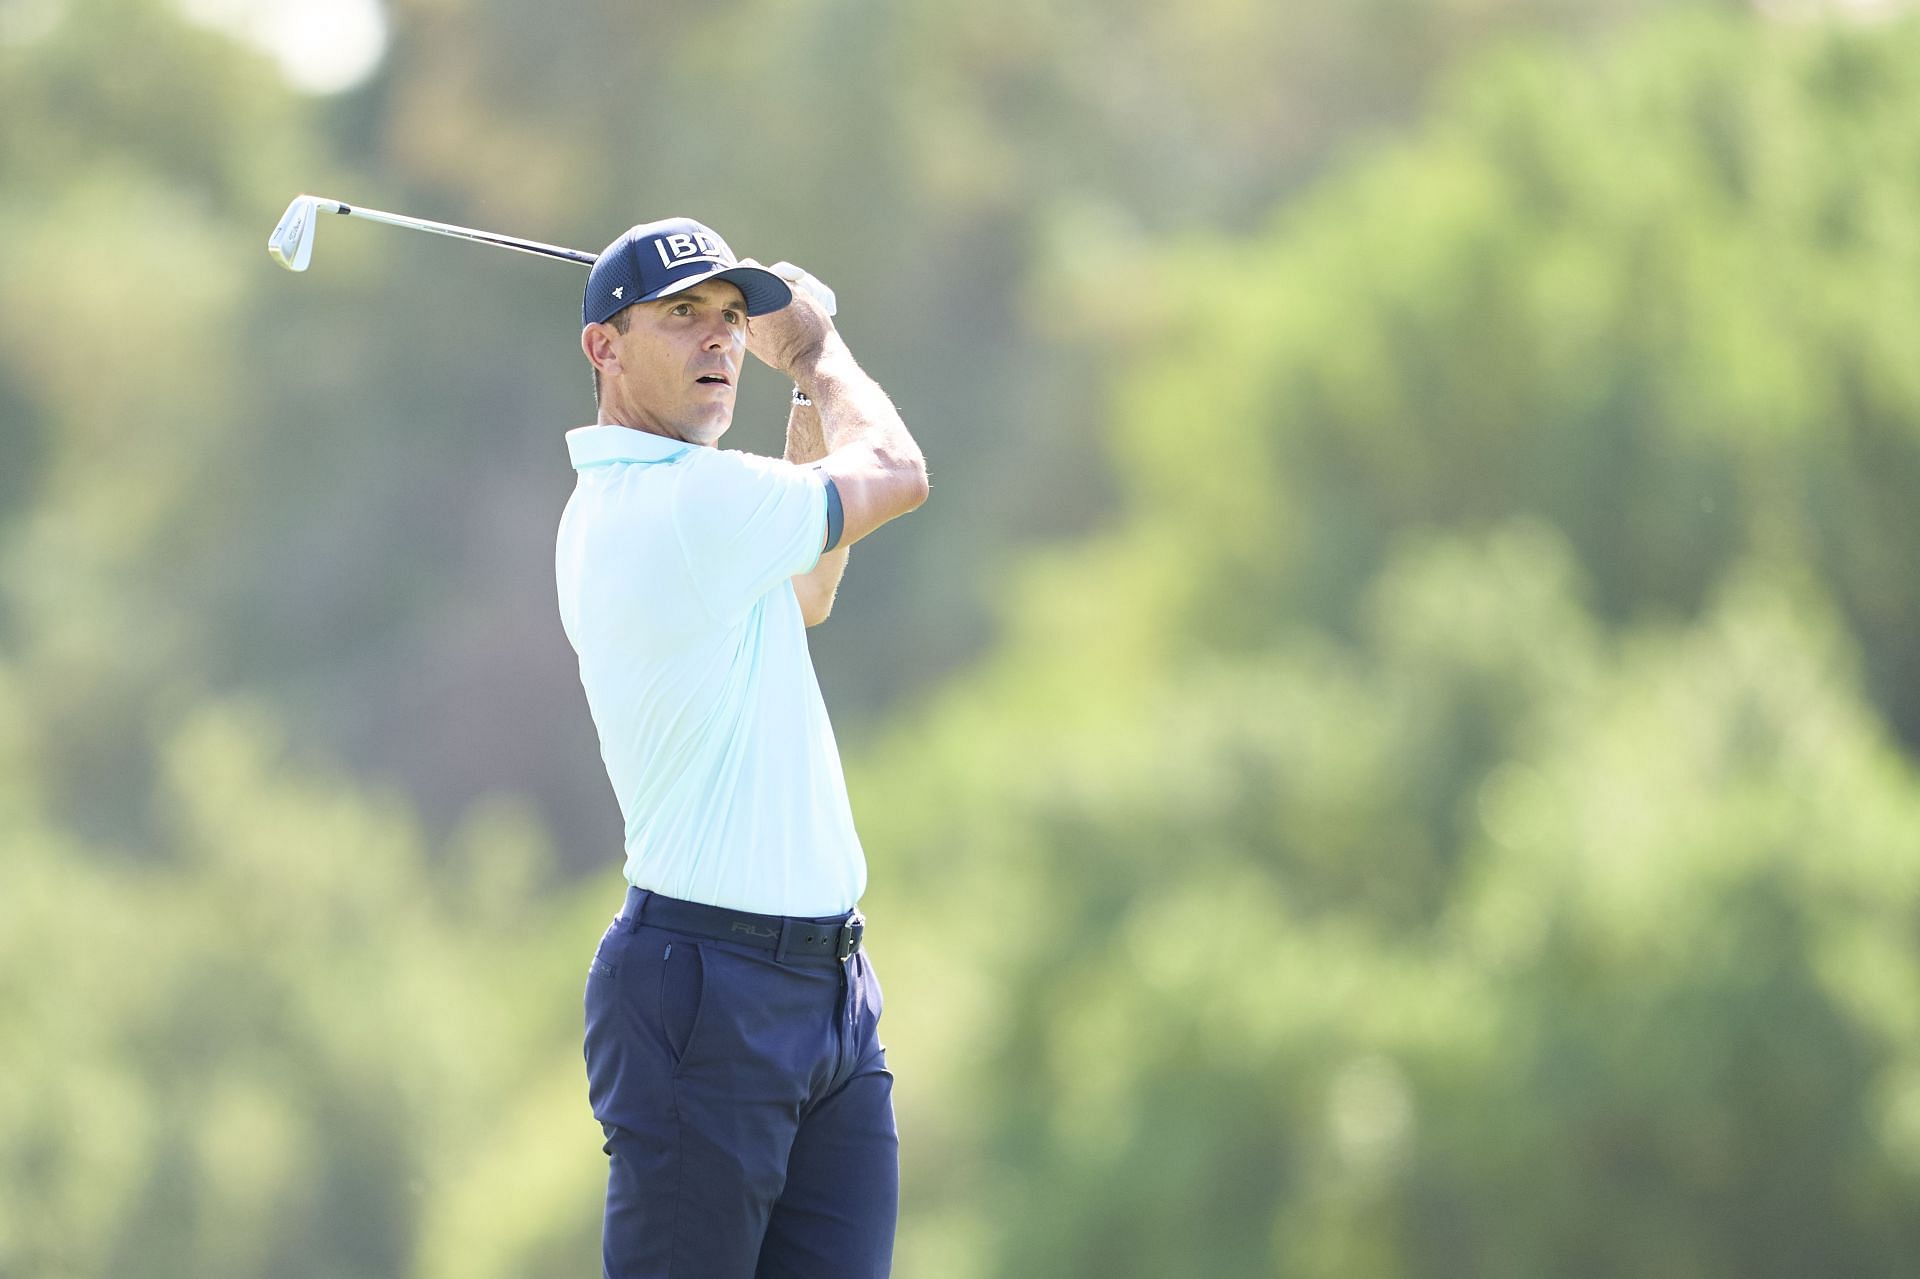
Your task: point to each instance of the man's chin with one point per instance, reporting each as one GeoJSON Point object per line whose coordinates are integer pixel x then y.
{"type": "Point", "coordinates": [707, 433]}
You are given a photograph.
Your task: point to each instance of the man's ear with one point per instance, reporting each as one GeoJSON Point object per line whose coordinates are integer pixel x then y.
{"type": "Point", "coordinates": [597, 341]}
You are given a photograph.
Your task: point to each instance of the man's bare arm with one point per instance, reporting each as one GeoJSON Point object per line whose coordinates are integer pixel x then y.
{"type": "Point", "coordinates": [816, 588]}
{"type": "Point", "coordinates": [875, 464]}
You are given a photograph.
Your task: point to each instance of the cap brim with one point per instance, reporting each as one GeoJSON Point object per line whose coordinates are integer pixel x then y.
{"type": "Point", "coordinates": [762, 290]}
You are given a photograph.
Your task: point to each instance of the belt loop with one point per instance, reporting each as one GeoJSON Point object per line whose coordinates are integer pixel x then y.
{"type": "Point", "coordinates": [636, 905]}
{"type": "Point", "coordinates": [782, 953]}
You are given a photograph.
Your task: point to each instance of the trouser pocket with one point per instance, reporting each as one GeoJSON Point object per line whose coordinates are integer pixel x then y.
{"type": "Point", "coordinates": [683, 981]}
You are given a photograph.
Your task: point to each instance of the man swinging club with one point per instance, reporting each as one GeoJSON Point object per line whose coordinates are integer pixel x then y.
{"type": "Point", "coordinates": [731, 1013]}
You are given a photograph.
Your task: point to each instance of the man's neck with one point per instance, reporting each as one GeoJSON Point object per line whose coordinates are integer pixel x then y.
{"type": "Point", "coordinates": [610, 416]}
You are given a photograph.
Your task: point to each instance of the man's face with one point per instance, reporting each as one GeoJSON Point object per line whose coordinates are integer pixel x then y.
{"type": "Point", "coordinates": [677, 367]}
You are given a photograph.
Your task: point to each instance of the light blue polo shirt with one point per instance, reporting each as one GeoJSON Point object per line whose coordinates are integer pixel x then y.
{"type": "Point", "coordinates": [673, 563]}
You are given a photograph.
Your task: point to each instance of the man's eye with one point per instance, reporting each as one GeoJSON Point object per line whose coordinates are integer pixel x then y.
{"type": "Point", "coordinates": [734, 317]}
{"type": "Point", "coordinates": [682, 309]}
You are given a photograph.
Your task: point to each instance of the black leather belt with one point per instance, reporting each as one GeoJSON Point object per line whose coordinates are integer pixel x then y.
{"type": "Point", "coordinates": [836, 938]}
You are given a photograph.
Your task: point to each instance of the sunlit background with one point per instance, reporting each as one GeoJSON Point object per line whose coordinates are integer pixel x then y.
{"type": "Point", "coordinates": [319, 46]}
{"type": "Point", "coordinates": [1390, 753]}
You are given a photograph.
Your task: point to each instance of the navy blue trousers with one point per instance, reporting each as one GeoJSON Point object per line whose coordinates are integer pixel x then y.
{"type": "Point", "coordinates": [747, 1106]}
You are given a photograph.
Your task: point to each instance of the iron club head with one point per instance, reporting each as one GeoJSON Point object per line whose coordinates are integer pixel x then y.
{"type": "Point", "coordinates": [291, 244]}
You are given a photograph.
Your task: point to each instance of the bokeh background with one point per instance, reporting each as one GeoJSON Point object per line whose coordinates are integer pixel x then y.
{"type": "Point", "coordinates": [1390, 754]}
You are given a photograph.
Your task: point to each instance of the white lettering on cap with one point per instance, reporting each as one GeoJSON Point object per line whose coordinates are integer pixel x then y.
{"type": "Point", "coordinates": [682, 247]}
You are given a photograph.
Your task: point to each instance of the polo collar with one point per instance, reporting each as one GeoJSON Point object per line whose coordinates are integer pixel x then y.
{"type": "Point", "coordinates": [599, 445]}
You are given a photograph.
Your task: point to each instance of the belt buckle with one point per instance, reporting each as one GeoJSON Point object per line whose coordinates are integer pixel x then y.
{"type": "Point", "coordinates": [849, 940]}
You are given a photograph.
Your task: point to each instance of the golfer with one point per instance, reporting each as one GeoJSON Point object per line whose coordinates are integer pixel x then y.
{"type": "Point", "coordinates": [731, 1011]}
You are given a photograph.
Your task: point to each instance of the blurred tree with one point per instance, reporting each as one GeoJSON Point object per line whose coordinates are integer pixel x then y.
{"type": "Point", "coordinates": [1443, 827]}
{"type": "Point", "coordinates": [1233, 997]}
{"type": "Point", "coordinates": [286, 1047]}
{"type": "Point", "coordinates": [131, 180]}
{"type": "Point", "coordinates": [1659, 304]}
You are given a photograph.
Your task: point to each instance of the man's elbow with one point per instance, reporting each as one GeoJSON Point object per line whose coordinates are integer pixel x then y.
{"type": "Point", "coordinates": [914, 485]}
{"type": "Point", "coordinates": [814, 614]}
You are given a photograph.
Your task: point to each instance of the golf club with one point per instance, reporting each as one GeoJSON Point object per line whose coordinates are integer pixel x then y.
{"type": "Point", "coordinates": [291, 244]}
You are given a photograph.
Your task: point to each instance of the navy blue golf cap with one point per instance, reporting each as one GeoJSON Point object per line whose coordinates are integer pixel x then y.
{"type": "Point", "coordinates": [656, 259]}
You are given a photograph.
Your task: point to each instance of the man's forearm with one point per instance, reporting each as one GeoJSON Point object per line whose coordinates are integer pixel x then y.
{"type": "Point", "coordinates": [805, 441]}
{"type": "Point", "coordinates": [880, 471]}
{"type": "Point", "coordinates": [849, 407]}
{"type": "Point", "coordinates": [815, 588]}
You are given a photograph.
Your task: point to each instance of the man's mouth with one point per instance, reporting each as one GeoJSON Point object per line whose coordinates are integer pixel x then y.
{"type": "Point", "coordinates": [713, 378]}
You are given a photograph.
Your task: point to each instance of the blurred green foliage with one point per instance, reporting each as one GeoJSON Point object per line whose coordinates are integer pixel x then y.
{"type": "Point", "coordinates": [1389, 755]}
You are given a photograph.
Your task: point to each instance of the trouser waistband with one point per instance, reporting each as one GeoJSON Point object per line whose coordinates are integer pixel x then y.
{"type": "Point", "coordinates": [787, 936]}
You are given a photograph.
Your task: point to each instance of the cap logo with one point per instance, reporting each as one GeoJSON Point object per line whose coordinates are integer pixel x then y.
{"type": "Point", "coordinates": [620, 292]}
{"type": "Point", "coordinates": [682, 247]}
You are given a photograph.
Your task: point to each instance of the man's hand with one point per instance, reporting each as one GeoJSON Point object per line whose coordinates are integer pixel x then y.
{"type": "Point", "coordinates": [792, 339]}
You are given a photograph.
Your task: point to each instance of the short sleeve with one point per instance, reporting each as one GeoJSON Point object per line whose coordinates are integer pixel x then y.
{"type": "Point", "coordinates": [746, 524]}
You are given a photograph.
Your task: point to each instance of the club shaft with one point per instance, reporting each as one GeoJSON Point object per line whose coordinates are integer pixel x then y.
{"type": "Point", "coordinates": [462, 232]}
